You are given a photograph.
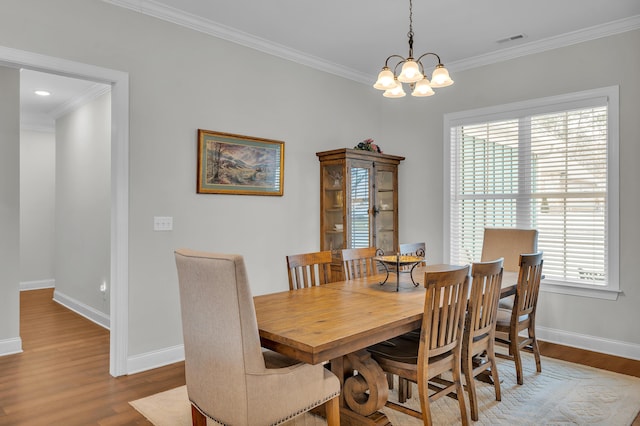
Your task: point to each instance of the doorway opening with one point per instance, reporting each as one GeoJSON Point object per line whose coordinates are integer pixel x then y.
{"type": "Point", "coordinates": [119, 143]}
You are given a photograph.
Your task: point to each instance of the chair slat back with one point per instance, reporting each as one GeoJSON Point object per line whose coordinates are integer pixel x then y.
{"type": "Point", "coordinates": [485, 293]}
{"type": "Point", "coordinates": [528, 286]}
{"type": "Point", "coordinates": [508, 243]}
{"type": "Point", "coordinates": [412, 249]}
{"type": "Point", "coordinates": [309, 269]}
{"type": "Point", "coordinates": [445, 305]}
{"type": "Point", "coordinates": [359, 262]}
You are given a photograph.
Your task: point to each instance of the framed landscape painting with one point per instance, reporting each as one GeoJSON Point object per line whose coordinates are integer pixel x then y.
{"type": "Point", "coordinates": [235, 164]}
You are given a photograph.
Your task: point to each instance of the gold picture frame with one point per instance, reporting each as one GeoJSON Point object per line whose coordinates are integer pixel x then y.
{"type": "Point", "coordinates": [236, 164]}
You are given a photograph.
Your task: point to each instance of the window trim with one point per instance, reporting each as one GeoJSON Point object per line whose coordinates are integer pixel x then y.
{"type": "Point", "coordinates": [539, 106]}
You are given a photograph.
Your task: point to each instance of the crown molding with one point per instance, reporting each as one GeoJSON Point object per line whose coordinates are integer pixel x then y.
{"type": "Point", "coordinates": [599, 31]}
{"type": "Point", "coordinates": [170, 14]}
{"type": "Point", "coordinates": [85, 97]}
{"type": "Point", "coordinates": [152, 8]}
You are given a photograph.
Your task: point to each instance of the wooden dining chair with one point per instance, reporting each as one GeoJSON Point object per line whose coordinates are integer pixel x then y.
{"type": "Point", "coordinates": [407, 249]}
{"type": "Point", "coordinates": [480, 327]}
{"type": "Point", "coordinates": [358, 262]}
{"type": "Point", "coordinates": [309, 269]}
{"type": "Point", "coordinates": [510, 322]}
{"type": "Point", "coordinates": [439, 348]}
{"type": "Point", "coordinates": [412, 249]}
{"type": "Point", "coordinates": [229, 377]}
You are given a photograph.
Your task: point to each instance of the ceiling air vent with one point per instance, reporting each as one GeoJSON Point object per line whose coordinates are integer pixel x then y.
{"type": "Point", "coordinates": [512, 38]}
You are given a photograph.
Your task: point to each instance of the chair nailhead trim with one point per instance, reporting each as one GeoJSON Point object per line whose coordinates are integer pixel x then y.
{"type": "Point", "coordinates": [283, 420]}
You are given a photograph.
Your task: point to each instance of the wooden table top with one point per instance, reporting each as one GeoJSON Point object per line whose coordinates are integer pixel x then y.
{"type": "Point", "coordinates": [321, 323]}
{"type": "Point", "coordinates": [325, 322]}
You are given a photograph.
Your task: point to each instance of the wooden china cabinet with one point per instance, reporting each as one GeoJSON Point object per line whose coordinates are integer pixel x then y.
{"type": "Point", "coordinates": [358, 202]}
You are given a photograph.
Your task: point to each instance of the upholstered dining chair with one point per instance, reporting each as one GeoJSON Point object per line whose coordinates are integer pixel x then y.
{"type": "Point", "coordinates": [358, 262]}
{"type": "Point", "coordinates": [308, 269]}
{"type": "Point", "coordinates": [480, 327]}
{"type": "Point", "coordinates": [438, 349]}
{"type": "Point", "coordinates": [509, 244]}
{"type": "Point", "coordinates": [510, 322]}
{"type": "Point", "coordinates": [229, 377]}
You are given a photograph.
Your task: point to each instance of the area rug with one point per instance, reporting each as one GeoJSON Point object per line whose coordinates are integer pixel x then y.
{"type": "Point", "coordinates": [563, 394]}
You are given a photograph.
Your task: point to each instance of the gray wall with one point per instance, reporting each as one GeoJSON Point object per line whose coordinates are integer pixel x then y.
{"type": "Point", "coordinates": [83, 203]}
{"type": "Point", "coordinates": [37, 201]}
{"type": "Point", "coordinates": [9, 209]}
{"type": "Point", "coordinates": [181, 80]}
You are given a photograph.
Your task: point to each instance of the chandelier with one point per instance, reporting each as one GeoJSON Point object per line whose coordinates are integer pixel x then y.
{"type": "Point", "coordinates": [412, 72]}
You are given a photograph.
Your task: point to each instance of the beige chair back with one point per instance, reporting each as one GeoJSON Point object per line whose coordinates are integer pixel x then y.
{"type": "Point", "coordinates": [220, 330]}
{"type": "Point", "coordinates": [309, 269]}
{"type": "Point", "coordinates": [358, 262]}
{"type": "Point", "coordinates": [508, 243]}
{"type": "Point", "coordinates": [229, 377]}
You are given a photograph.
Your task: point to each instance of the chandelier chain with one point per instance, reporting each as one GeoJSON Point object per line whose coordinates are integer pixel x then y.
{"type": "Point", "coordinates": [410, 33]}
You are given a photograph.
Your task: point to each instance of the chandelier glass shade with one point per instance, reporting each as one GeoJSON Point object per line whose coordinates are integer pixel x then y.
{"type": "Point", "coordinates": [411, 72]}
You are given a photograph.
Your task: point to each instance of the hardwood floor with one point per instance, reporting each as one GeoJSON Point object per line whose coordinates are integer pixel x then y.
{"type": "Point", "coordinates": [62, 377]}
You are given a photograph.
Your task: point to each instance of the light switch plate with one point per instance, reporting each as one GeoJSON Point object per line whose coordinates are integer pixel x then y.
{"type": "Point", "coordinates": [162, 223]}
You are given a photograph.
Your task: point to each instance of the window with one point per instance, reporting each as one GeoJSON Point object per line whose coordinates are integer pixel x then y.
{"type": "Point", "coordinates": [549, 164]}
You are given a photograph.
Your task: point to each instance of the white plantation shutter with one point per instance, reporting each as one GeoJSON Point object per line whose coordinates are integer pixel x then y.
{"type": "Point", "coordinates": [544, 167]}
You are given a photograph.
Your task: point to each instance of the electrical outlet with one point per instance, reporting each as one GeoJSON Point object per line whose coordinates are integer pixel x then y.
{"type": "Point", "coordinates": [103, 287]}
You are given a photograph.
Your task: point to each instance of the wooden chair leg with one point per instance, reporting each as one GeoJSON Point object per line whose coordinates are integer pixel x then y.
{"type": "Point", "coordinates": [491, 358]}
{"type": "Point", "coordinates": [404, 390]}
{"type": "Point", "coordinates": [390, 380]}
{"type": "Point", "coordinates": [408, 388]}
{"type": "Point", "coordinates": [457, 373]}
{"type": "Point", "coordinates": [423, 395]}
{"type": "Point", "coordinates": [467, 368]}
{"type": "Point", "coordinates": [332, 408]}
{"type": "Point", "coordinates": [197, 418]}
{"type": "Point", "coordinates": [518, 360]}
{"type": "Point", "coordinates": [535, 347]}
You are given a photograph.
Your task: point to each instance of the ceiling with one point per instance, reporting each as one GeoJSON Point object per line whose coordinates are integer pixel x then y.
{"type": "Point", "coordinates": [352, 39]}
{"type": "Point", "coordinates": [39, 112]}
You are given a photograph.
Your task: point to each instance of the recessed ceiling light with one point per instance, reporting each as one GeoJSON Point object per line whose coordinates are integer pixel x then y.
{"type": "Point", "coordinates": [42, 93]}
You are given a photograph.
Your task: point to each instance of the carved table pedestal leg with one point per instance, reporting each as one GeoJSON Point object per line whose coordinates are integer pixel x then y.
{"type": "Point", "coordinates": [364, 389]}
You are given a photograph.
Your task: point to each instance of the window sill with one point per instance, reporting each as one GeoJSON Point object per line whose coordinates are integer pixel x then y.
{"type": "Point", "coordinates": [597, 292]}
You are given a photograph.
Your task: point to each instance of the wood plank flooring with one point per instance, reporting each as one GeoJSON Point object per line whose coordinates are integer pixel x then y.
{"type": "Point", "coordinates": [62, 377]}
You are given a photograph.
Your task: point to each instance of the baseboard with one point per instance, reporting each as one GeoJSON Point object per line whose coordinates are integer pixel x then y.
{"type": "Point", "coordinates": [10, 346]}
{"type": "Point", "coordinates": [37, 285]}
{"type": "Point", "coordinates": [80, 308]}
{"type": "Point", "coordinates": [590, 343]}
{"type": "Point", "coordinates": [155, 359]}
{"type": "Point", "coordinates": [162, 357]}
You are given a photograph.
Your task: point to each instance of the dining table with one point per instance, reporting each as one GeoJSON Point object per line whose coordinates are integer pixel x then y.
{"type": "Point", "coordinates": [336, 322]}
